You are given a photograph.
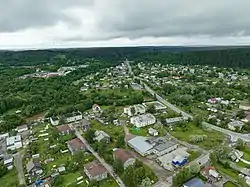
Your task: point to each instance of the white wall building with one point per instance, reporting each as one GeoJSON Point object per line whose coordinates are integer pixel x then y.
{"type": "Point", "coordinates": [139, 109]}
{"type": "Point", "coordinates": [73, 117]}
{"type": "Point", "coordinates": [54, 121]}
{"type": "Point", "coordinates": [153, 132]}
{"type": "Point", "coordinates": [22, 128]}
{"type": "Point", "coordinates": [14, 142]}
{"type": "Point", "coordinates": [143, 120]}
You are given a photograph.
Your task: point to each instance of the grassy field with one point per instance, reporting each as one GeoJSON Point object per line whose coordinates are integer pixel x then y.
{"type": "Point", "coordinates": [214, 139]}
{"type": "Point", "coordinates": [112, 130]}
{"type": "Point", "coordinates": [230, 184]}
{"type": "Point", "coordinates": [193, 155]}
{"type": "Point", "coordinates": [230, 172]}
{"type": "Point", "coordinates": [10, 179]}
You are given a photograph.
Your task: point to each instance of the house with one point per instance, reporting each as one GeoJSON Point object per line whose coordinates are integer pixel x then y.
{"type": "Point", "coordinates": [101, 136]}
{"type": "Point", "coordinates": [75, 145]}
{"type": "Point", "coordinates": [234, 125]}
{"type": "Point", "coordinates": [153, 132]}
{"type": "Point", "coordinates": [158, 106]}
{"type": "Point", "coordinates": [244, 106]}
{"type": "Point", "coordinates": [34, 167]}
{"type": "Point", "coordinates": [179, 161]}
{"type": "Point", "coordinates": [171, 121]}
{"type": "Point", "coordinates": [85, 124]}
{"type": "Point", "coordinates": [210, 173]}
{"type": "Point", "coordinates": [125, 157]}
{"type": "Point", "coordinates": [64, 129]}
{"type": "Point", "coordinates": [195, 182]}
{"type": "Point", "coordinates": [54, 120]}
{"type": "Point", "coordinates": [96, 108]}
{"type": "Point", "coordinates": [141, 145]}
{"type": "Point", "coordinates": [95, 171]}
{"type": "Point", "coordinates": [8, 161]}
{"type": "Point", "coordinates": [138, 109]}
{"type": "Point", "coordinates": [246, 119]}
{"type": "Point", "coordinates": [143, 120]}
{"type": "Point", "coordinates": [22, 128]}
{"type": "Point", "coordinates": [14, 142]}
{"type": "Point", "coordinates": [212, 100]}
{"type": "Point", "coordinates": [73, 117]}
{"type": "Point", "coordinates": [163, 146]}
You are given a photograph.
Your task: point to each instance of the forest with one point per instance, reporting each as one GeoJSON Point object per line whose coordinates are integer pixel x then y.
{"type": "Point", "coordinates": [217, 56]}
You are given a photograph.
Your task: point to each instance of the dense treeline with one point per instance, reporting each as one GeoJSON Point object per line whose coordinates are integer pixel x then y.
{"type": "Point", "coordinates": [218, 56]}
{"type": "Point", "coordinates": [221, 58]}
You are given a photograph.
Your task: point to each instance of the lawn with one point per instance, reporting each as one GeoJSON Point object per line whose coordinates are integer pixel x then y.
{"type": "Point", "coordinates": [109, 183]}
{"type": "Point", "coordinates": [230, 172]}
{"type": "Point", "coordinates": [10, 179]}
{"type": "Point", "coordinates": [112, 130]}
{"type": "Point", "coordinates": [214, 138]}
{"type": "Point", "coordinates": [193, 155]}
{"type": "Point", "coordinates": [230, 184]}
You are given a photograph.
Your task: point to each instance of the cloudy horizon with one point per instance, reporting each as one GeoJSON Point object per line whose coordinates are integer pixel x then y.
{"type": "Point", "coordinates": [32, 24]}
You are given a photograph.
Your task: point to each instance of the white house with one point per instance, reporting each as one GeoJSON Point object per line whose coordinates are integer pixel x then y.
{"type": "Point", "coordinates": [138, 109]}
{"type": "Point", "coordinates": [22, 128]}
{"type": "Point", "coordinates": [14, 142]}
{"type": "Point", "coordinates": [143, 120]}
{"type": "Point", "coordinates": [54, 120]}
{"type": "Point", "coordinates": [153, 132]}
{"type": "Point", "coordinates": [233, 125]}
{"type": "Point", "coordinates": [72, 117]}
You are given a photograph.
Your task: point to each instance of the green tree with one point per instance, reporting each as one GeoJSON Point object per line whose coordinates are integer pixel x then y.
{"type": "Point", "coordinates": [120, 142]}
{"type": "Point", "coordinates": [3, 169]}
{"type": "Point", "coordinates": [90, 135]}
{"type": "Point", "coordinates": [146, 183]}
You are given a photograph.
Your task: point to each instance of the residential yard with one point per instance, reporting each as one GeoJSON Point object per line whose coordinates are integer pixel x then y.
{"type": "Point", "coordinates": [112, 130]}
{"type": "Point", "coordinates": [144, 130]}
{"type": "Point", "coordinates": [214, 139]}
{"type": "Point", "coordinates": [10, 179]}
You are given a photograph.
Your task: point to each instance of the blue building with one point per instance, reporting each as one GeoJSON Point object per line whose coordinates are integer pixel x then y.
{"type": "Point", "coordinates": [179, 161]}
{"type": "Point", "coordinates": [195, 182]}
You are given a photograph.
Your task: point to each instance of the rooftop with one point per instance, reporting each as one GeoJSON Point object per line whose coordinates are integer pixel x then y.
{"type": "Point", "coordinates": [236, 123]}
{"type": "Point", "coordinates": [11, 140]}
{"type": "Point", "coordinates": [195, 182]}
{"type": "Point", "coordinates": [123, 155]}
{"type": "Point", "coordinates": [140, 143]}
{"type": "Point", "coordinates": [76, 143]}
{"type": "Point", "coordinates": [165, 145]}
{"type": "Point", "coordinates": [95, 168]}
{"type": "Point", "coordinates": [63, 128]}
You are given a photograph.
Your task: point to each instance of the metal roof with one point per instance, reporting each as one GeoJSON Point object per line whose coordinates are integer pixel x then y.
{"type": "Point", "coordinates": [140, 143]}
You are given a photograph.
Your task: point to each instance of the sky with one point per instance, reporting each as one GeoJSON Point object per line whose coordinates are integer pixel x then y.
{"type": "Point", "coordinates": [37, 24]}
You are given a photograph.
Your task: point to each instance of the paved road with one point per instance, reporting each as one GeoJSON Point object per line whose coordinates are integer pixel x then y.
{"type": "Point", "coordinates": [233, 135]}
{"type": "Point", "coordinates": [19, 166]}
{"type": "Point", "coordinates": [101, 160]}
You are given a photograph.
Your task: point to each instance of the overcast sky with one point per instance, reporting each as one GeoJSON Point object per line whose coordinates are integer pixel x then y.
{"type": "Point", "coordinates": [88, 23]}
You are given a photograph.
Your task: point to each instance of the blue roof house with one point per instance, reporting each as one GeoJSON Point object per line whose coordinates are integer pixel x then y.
{"type": "Point", "coordinates": [179, 161]}
{"type": "Point", "coordinates": [195, 182]}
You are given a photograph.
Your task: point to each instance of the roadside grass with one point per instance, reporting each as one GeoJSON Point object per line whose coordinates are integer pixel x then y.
{"type": "Point", "coordinates": [230, 184]}
{"type": "Point", "coordinates": [193, 155]}
{"type": "Point", "coordinates": [10, 179]}
{"type": "Point", "coordinates": [227, 171]}
{"type": "Point", "coordinates": [214, 139]}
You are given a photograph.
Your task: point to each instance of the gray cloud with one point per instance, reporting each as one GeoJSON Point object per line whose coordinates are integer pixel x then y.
{"type": "Point", "coordinates": [176, 17]}
{"type": "Point", "coordinates": [21, 14]}
{"type": "Point", "coordinates": [133, 19]}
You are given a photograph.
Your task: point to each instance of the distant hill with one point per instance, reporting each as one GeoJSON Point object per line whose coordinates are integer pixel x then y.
{"type": "Point", "coordinates": [227, 56]}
